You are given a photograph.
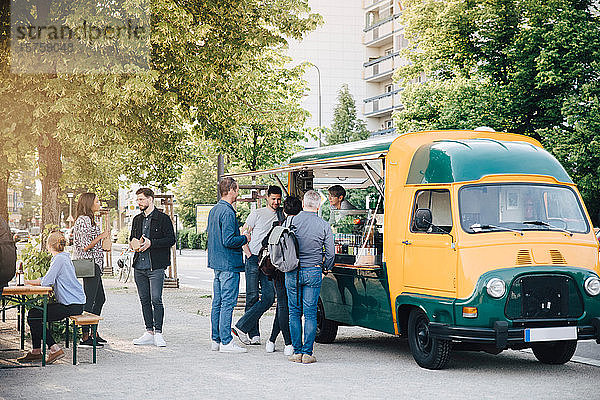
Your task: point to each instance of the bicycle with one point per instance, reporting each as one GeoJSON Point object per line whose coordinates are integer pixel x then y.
{"type": "Point", "coordinates": [124, 264]}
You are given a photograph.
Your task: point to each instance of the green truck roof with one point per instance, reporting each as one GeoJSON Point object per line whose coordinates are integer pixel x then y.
{"type": "Point", "coordinates": [447, 161]}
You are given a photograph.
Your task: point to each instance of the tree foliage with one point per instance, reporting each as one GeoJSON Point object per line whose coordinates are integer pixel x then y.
{"type": "Point", "coordinates": [522, 66]}
{"type": "Point", "coordinates": [346, 126]}
{"type": "Point", "coordinates": [214, 66]}
{"type": "Point", "coordinates": [197, 183]}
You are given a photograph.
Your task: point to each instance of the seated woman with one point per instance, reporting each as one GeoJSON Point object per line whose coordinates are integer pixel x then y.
{"type": "Point", "coordinates": [68, 292]}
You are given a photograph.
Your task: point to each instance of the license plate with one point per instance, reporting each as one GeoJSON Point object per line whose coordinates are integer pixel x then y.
{"type": "Point", "coordinates": [550, 334]}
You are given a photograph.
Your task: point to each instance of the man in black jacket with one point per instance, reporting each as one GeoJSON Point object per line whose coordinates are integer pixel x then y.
{"type": "Point", "coordinates": [154, 235]}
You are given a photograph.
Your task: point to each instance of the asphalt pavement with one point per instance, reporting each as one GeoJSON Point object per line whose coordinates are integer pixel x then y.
{"type": "Point", "coordinates": [193, 273]}
{"type": "Point", "coordinates": [359, 364]}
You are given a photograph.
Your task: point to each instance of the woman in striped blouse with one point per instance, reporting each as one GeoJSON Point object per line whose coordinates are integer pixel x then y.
{"type": "Point", "coordinates": [87, 244]}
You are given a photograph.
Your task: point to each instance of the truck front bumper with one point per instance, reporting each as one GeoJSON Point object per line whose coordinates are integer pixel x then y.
{"type": "Point", "coordinates": [501, 335]}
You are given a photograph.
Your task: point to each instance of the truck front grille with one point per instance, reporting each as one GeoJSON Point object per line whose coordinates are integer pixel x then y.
{"type": "Point", "coordinates": [543, 297]}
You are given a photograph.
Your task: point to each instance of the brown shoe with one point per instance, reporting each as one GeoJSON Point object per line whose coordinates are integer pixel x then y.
{"type": "Point", "coordinates": [295, 358]}
{"type": "Point", "coordinates": [308, 359]}
{"type": "Point", "coordinates": [55, 356]}
{"type": "Point", "coordinates": [30, 357]}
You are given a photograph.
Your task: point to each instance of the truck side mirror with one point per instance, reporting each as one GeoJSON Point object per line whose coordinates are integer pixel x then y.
{"type": "Point", "coordinates": [423, 219]}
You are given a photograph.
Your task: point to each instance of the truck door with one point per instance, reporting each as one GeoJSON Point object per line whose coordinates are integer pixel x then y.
{"type": "Point", "coordinates": [429, 256]}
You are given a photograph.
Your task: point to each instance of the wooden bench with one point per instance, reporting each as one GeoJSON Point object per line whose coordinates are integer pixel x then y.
{"type": "Point", "coordinates": [85, 319]}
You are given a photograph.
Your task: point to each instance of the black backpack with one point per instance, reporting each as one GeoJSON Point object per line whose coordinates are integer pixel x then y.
{"type": "Point", "coordinates": [264, 258]}
{"type": "Point", "coordinates": [8, 254]}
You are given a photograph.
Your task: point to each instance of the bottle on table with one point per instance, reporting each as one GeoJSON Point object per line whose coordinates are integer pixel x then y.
{"type": "Point", "coordinates": [20, 275]}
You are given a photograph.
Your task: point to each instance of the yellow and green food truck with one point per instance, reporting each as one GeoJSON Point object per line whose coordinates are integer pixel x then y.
{"type": "Point", "coordinates": [468, 240]}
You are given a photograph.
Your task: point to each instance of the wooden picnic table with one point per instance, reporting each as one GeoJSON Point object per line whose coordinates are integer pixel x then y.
{"type": "Point", "coordinates": [27, 295]}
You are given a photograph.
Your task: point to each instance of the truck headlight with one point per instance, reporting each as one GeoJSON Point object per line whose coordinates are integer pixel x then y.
{"type": "Point", "coordinates": [592, 286]}
{"type": "Point", "coordinates": [496, 287]}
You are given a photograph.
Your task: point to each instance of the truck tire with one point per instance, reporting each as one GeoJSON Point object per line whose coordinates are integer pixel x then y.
{"type": "Point", "coordinates": [554, 353]}
{"type": "Point", "coordinates": [326, 329]}
{"type": "Point", "coordinates": [428, 352]}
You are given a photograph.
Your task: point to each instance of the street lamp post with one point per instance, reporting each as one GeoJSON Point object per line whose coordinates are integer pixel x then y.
{"type": "Point", "coordinates": [319, 86]}
{"type": "Point", "coordinates": [70, 220]}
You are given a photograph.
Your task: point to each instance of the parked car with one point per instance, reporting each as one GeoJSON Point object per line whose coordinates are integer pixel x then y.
{"type": "Point", "coordinates": [21, 235]}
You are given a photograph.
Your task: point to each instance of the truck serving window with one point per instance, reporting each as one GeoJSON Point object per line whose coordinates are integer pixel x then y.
{"type": "Point", "coordinates": [521, 207]}
{"type": "Point", "coordinates": [438, 201]}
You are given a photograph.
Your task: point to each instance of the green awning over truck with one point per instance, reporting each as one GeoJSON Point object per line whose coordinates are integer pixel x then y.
{"type": "Point", "coordinates": [374, 145]}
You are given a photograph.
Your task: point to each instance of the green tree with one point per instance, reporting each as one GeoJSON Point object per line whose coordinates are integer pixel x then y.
{"type": "Point", "coordinates": [514, 65]}
{"type": "Point", "coordinates": [197, 183]}
{"type": "Point", "coordinates": [346, 126]}
{"type": "Point", "coordinates": [214, 66]}
{"type": "Point", "coordinates": [578, 147]}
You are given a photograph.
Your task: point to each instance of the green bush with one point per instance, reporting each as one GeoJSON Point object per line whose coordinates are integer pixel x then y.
{"type": "Point", "coordinates": [189, 239]}
{"type": "Point", "coordinates": [36, 260]}
{"type": "Point", "coordinates": [182, 238]}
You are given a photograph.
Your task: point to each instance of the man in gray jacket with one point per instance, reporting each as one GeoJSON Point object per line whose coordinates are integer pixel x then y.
{"type": "Point", "coordinates": [316, 254]}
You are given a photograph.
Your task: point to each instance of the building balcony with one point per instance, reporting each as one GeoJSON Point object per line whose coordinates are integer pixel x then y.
{"type": "Point", "coordinates": [371, 4]}
{"type": "Point", "coordinates": [382, 104]}
{"type": "Point", "coordinates": [380, 69]}
{"type": "Point", "coordinates": [381, 32]}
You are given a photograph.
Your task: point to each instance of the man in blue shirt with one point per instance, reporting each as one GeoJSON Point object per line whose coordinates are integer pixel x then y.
{"type": "Point", "coordinates": [316, 253]}
{"type": "Point", "coordinates": [225, 258]}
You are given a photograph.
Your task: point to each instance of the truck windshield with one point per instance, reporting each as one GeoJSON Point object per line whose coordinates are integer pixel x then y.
{"type": "Point", "coordinates": [520, 207]}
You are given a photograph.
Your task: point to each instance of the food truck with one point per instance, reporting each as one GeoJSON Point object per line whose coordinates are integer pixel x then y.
{"type": "Point", "coordinates": [465, 240]}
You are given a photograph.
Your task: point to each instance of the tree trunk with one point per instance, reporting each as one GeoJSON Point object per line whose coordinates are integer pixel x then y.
{"type": "Point", "coordinates": [4, 175]}
{"type": "Point", "coordinates": [51, 170]}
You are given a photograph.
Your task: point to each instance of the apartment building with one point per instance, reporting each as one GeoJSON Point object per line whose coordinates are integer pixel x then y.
{"type": "Point", "coordinates": [382, 39]}
{"type": "Point", "coordinates": [336, 49]}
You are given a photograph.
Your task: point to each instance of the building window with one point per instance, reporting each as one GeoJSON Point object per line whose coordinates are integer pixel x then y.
{"type": "Point", "coordinates": [389, 51]}
{"type": "Point", "coordinates": [389, 88]}
{"type": "Point", "coordinates": [401, 42]}
{"type": "Point", "coordinates": [389, 124]}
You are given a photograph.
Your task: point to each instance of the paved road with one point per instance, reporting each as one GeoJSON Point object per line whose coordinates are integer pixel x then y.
{"type": "Point", "coordinates": [192, 269]}
{"type": "Point", "coordinates": [359, 364]}
{"type": "Point", "coordinates": [193, 273]}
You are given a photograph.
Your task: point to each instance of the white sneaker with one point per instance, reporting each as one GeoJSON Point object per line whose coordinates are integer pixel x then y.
{"type": "Point", "coordinates": [159, 340]}
{"type": "Point", "coordinates": [288, 350]}
{"type": "Point", "coordinates": [255, 340]}
{"type": "Point", "coordinates": [214, 346]}
{"type": "Point", "coordinates": [146, 338]}
{"type": "Point", "coordinates": [270, 346]}
{"type": "Point", "coordinates": [243, 337]}
{"type": "Point", "coordinates": [231, 348]}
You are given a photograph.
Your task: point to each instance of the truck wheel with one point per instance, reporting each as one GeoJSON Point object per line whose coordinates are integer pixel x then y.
{"type": "Point", "coordinates": [326, 329]}
{"type": "Point", "coordinates": [554, 352]}
{"type": "Point", "coordinates": [428, 352]}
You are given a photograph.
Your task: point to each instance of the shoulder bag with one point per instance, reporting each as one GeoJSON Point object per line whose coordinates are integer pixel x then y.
{"type": "Point", "coordinates": [84, 268]}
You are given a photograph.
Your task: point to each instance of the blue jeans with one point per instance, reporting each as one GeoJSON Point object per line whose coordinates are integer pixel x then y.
{"type": "Point", "coordinates": [302, 298]}
{"type": "Point", "coordinates": [150, 285]}
{"type": "Point", "coordinates": [226, 287]}
{"type": "Point", "coordinates": [255, 307]}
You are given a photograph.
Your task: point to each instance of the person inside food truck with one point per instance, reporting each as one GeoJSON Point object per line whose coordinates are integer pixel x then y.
{"type": "Point", "coordinates": [337, 199]}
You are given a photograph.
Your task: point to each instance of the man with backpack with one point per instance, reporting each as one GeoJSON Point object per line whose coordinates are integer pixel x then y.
{"type": "Point", "coordinates": [260, 293]}
{"type": "Point", "coordinates": [316, 254]}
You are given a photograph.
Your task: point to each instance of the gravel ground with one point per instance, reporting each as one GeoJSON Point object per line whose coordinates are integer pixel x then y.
{"type": "Point", "coordinates": [360, 364]}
